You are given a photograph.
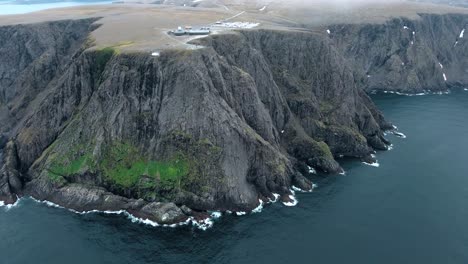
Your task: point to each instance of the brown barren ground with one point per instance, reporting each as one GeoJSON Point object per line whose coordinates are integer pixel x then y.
{"type": "Point", "coordinates": [144, 27]}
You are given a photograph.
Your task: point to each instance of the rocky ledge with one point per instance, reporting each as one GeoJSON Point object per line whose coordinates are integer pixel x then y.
{"type": "Point", "coordinates": [237, 123]}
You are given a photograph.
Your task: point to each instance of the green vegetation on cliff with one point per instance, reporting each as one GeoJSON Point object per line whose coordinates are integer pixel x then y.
{"type": "Point", "coordinates": [78, 159]}
{"type": "Point", "coordinates": [125, 166]}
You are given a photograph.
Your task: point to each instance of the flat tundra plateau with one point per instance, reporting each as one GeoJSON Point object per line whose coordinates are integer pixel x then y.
{"type": "Point", "coordinates": [143, 27]}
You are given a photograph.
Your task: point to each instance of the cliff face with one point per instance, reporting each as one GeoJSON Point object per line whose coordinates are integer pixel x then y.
{"type": "Point", "coordinates": [409, 56]}
{"type": "Point", "coordinates": [216, 128]}
{"type": "Point", "coordinates": [32, 58]}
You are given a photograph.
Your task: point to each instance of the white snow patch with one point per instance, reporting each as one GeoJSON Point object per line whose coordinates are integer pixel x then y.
{"type": "Point", "coordinates": [293, 201]}
{"type": "Point", "coordinates": [412, 42]}
{"type": "Point", "coordinates": [414, 33]}
{"type": "Point", "coordinates": [282, 131]}
{"type": "Point", "coordinates": [462, 33]}
{"type": "Point", "coordinates": [311, 170]}
{"type": "Point", "coordinates": [155, 54]}
{"type": "Point", "coordinates": [328, 31]}
{"type": "Point", "coordinates": [405, 27]}
{"type": "Point", "coordinates": [466, 89]}
{"type": "Point", "coordinates": [441, 66]}
{"type": "Point", "coordinates": [445, 76]}
{"type": "Point", "coordinates": [263, 8]}
{"type": "Point", "coordinates": [368, 76]}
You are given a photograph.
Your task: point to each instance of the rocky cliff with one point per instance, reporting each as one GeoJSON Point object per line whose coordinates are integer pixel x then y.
{"type": "Point", "coordinates": [409, 56]}
{"type": "Point", "coordinates": [216, 128]}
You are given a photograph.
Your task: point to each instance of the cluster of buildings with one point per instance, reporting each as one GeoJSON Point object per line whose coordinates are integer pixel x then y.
{"type": "Point", "coordinates": [188, 30]}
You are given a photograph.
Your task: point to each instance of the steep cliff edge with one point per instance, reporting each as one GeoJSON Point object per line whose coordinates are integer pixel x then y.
{"type": "Point", "coordinates": [408, 56]}
{"type": "Point", "coordinates": [217, 128]}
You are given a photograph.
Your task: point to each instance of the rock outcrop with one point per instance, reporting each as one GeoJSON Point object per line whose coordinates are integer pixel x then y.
{"type": "Point", "coordinates": [216, 128]}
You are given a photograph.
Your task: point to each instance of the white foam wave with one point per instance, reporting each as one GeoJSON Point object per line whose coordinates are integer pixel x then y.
{"type": "Point", "coordinates": [216, 215]}
{"type": "Point", "coordinates": [297, 189]}
{"type": "Point", "coordinates": [10, 206]}
{"type": "Point", "coordinates": [293, 201]}
{"type": "Point", "coordinates": [416, 94]}
{"type": "Point", "coordinates": [203, 224]}
{"type": "Point", "coordinates": [277, 196]}
{"type": "Point", "coordinates": [240, 213]}
{"type": "Point", "coordinates": [399, 134]}
{"type": "Point", "coordinates": [404, 94]}
{"type": "Point", "coordinates": [259, 208]}
{"type": "Point", "coordinates": [374, 164]}
{"type": "Point", "coordinates": [390, 147]}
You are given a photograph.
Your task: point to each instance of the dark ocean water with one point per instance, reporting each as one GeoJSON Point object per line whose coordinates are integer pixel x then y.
{"type": "Point", "coordinates": [412, 209]}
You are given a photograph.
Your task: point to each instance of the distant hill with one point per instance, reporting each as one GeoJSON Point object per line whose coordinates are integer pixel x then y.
{"type": "Point", "coordinates": [49, 1]}
{"type": "Point", "coordinates": [463, 3]}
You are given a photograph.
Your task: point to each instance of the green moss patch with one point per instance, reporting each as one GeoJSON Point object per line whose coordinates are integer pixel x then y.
{"type": "Point", "coordinates": [77, 160]}
{"type": "Point", "coordinates": [189, 165]}
{"type": "Point", "coordinates": [123, 165]}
